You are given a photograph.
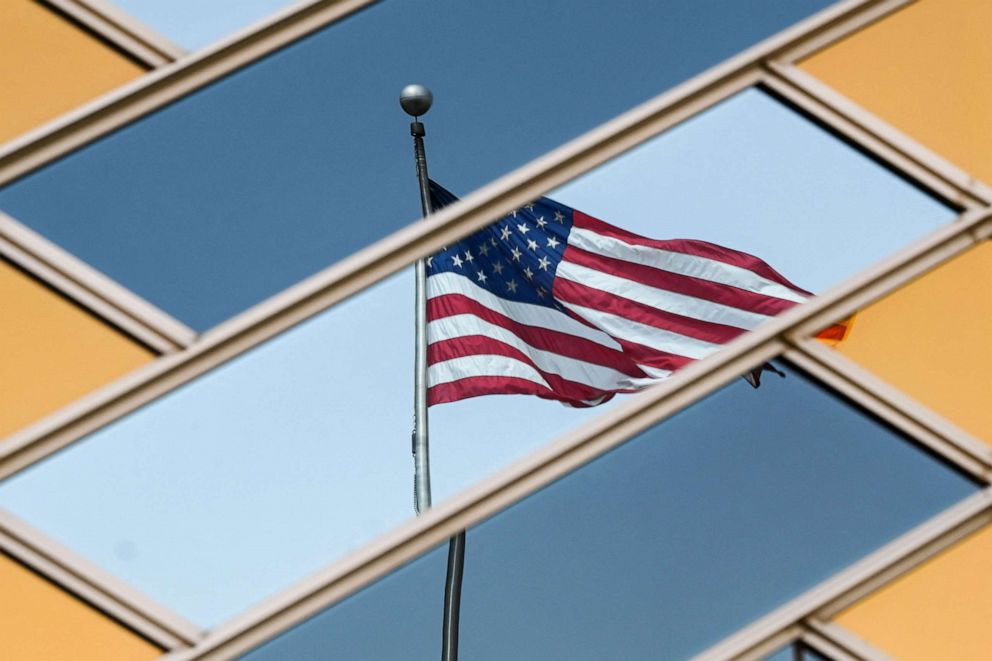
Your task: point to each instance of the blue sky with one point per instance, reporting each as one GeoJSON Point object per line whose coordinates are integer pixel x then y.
{"type": "Point", "coordinates": [275, 464]}
{"type": "Point", "coordinates": [194, 24]}
{"type": "Point", "coordinates": [662, 546]}
{"type": "Point", "coordinates": [245, 187]}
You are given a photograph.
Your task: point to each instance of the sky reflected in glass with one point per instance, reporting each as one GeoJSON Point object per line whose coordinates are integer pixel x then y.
{"type": "Point", "coordinates": [243, 188]}
{"type": "Point", "coordinates": [663, 546]}
{"type": "Point", "coordinates": [194, 24]}
{"type": "Point", "coordinates": [262, 454]}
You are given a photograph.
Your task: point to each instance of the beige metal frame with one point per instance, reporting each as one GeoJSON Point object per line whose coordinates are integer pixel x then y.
{"type": "Point", "coordinates": [55, 267]}
{"type": "Point", "coordinates": [915, 153]}
{"type": "Point", "coordinates": [844, 643]}
{"type": "Point", "coordinates": [887, 403]}
{"type": "Point", "coordinates": [160, 87]}
{"type": "Point", "coordinates": [760, 64]}
{"type": "Point", "coordinates": [861, 578]}
{"type": "Point", "coordinates": [91, 289]}
{"type": "Point", "coordinates": [899, 152]}
{"type": "Point", "coordinates": [828, 639]}
{"type": "Point", "coordinates": [946, 179]}
{"type": "Point", "coordinates": [94, 586]}
{"type": "Point", "coordinates": [125, 32]}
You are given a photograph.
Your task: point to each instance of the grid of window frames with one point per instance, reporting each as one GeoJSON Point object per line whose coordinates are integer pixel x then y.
{"type": "Point", "coordinates": [183, 401]}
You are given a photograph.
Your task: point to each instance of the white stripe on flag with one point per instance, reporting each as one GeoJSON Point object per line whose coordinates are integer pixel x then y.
{"type": "Point", "coordinates": [661, 299]}
{"type": "Point", "coordinates": [656, 373]}
{"type": "Point", "coordinates": [573, 369]}
{"type": "Point", "coordinates": [649, 336]}
{"type": "Point", "coordinates": [467, 367]}
{"type": "Point", "coordinates": [440, 284]}
{"type": "Point", "coordinates": [681, 263]}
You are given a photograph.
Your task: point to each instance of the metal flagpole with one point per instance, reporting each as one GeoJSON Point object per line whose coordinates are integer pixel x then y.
{"type": "Point", "coordinates": [453, 597]}
{"type": "Point", "coordinates": [416, 100]}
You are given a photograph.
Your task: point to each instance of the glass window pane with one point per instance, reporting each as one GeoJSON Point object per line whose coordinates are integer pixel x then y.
{"type": "Point", "coordinates": [796, 652]}
{"type": "Point", "coordinates": [303, 424]}
{"type": "Point", "coordinates": [812, 655]}
{"type": "Point", "coordinates": [48, 66]}
{"type": "Point", "coordinates": [787, 653]}
{"type": "Point", "coordinates": [929, 76]}
{"type": "Point", "coordinates": [940, 610]}
{"type": "Point", "coordinates": [40, 621]}
{"type": "Point", "coordinates": [948, 311]}
{"type": "Point", "coordinates": [313, 419]}
{"type": "Point", "coordinates": [754, 175]}
{"type": "Point", "coordinates": [52, 351]}
{"type": "Point", "coordinates": [244, 188]}
{"type": "Point", "coordinates": [662, 546]}
{"type": "Point", "coordinates": [195, 24]}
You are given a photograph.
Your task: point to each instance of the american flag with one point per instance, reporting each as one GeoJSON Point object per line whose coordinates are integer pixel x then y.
{"type": "Point", "coordinates": [551, 302]}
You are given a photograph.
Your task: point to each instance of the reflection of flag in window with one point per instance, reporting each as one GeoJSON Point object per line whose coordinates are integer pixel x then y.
{"type": "Point", "coordinates": [551, 302]}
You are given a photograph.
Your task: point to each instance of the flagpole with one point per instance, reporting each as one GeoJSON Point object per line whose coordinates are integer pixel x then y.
{"type": "Point", "coordinates": [416, 100]}
{"type": "Point", "coordinates": [453, 597]}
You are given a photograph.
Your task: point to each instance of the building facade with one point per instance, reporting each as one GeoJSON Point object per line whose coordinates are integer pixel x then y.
{"type": "Point", "coordinates": [206, 324]}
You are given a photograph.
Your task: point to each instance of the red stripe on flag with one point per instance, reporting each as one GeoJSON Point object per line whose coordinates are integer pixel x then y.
{"type": "Point", "coordinates": [687, 247]}
{"type": "Point", "coordinates": [493, 385]}
{"type": "Point", "coordinates": [705, 290]}
{"type": "Point", "coordinates": [564, 344]}
{"type": "Point", "coordinates": [651, 357]}
{"type": "Point", "coordinates": [638, 353]}
{"type": "Point", "coordinates": [572, 292]}
{"type": "Point", "coordinates": [476, 345]}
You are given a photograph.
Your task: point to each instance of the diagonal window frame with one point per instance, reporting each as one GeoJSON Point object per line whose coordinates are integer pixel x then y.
{"type": "Point", "coordinates": [95, 587]}
{"type": "Point", "coordinates": [140, 41]}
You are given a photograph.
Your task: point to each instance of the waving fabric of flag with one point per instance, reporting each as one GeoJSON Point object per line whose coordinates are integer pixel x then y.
{"type": "Point", "coordinates": [551, 302]}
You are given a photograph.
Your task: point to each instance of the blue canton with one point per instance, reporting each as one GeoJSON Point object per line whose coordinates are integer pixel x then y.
{"type": "Point", "coordinates": [514, 258]}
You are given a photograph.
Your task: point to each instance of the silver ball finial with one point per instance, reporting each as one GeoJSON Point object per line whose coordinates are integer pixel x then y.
{"type": "Point", "coordinates": [416, 100]}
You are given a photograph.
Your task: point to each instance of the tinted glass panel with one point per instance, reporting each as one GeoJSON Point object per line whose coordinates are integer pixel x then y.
{"type": "Point", "coordinates": [662, 546]}
{"type": "Point", "coordinates": [314, 418]}
{"type": "Point", "coordinates": [52, 351]}
{"type": "Point", "coordinates": [796, 653]}
{"type": "Point", "coordinates": [939, 610]}
{"type": "Point", "coordinates": [48, 66]}
{"type": "Point", "coordinates": [305, 424]}
{"type": "Point", "coordinates": [40, 621]}
{"type": "Point", "coordinates": [948, 311]}
{"type": "Point", "coordinates": [753, 175]}
{"type": "Point", "coordinates": [265, 177]}
{"type": "Point", "coordinates": [784, 654]}
{"type": "Point", "coordinates": [929, 76]}
{"type": "Point", "coordinates": [193, 23]}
